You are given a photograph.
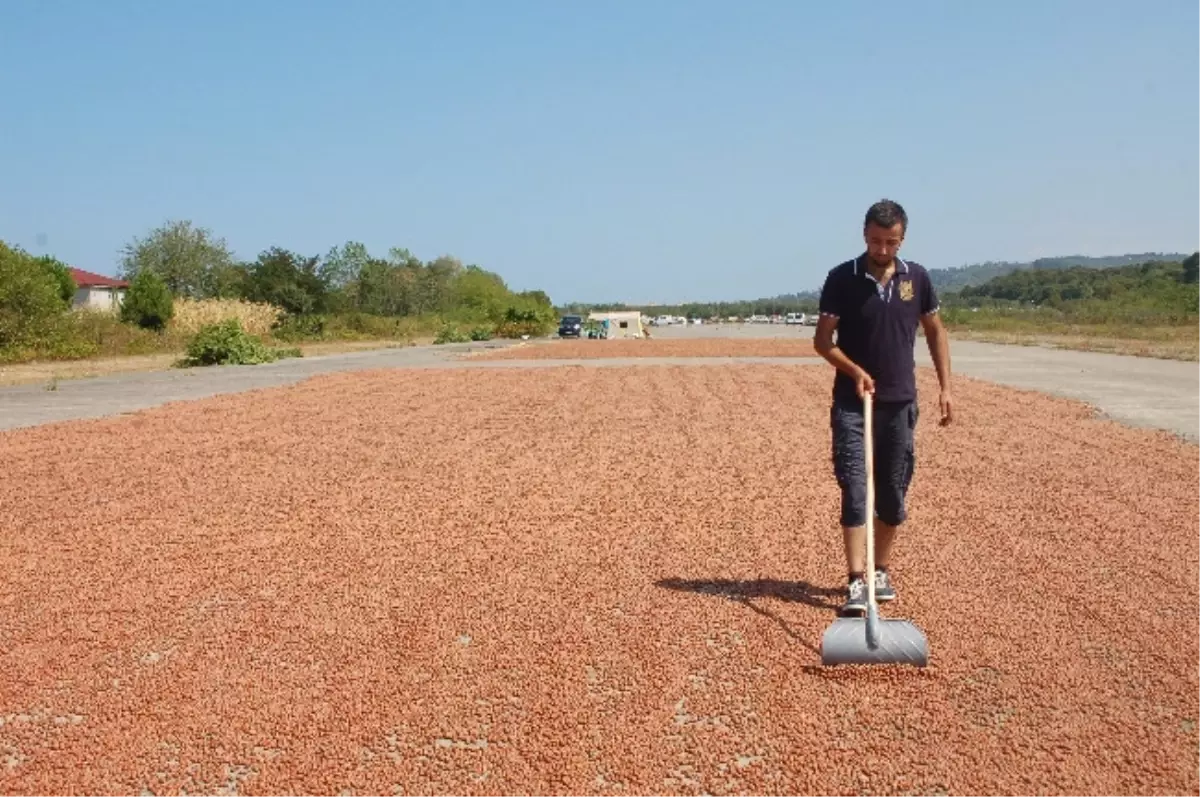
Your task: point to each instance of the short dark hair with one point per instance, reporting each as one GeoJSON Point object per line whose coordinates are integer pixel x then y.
{"type": "Point", "coordinates": [886, 213]}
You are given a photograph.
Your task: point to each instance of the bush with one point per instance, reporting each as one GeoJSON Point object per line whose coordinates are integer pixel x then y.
{"type": "Point", "coordinates": [300, 327]}
{"type": "Point", "coordinates": [516, 329]}
{"type": "Point", "coordinates": [31, 303]}
{"type": "Point", "coordinates": [66, 337]}
{"type": "Point", "coordinates": [363, 325]}
{"type": "Point", "coordinates": [526, 318]}
{"type": "Point", "coordinates": [62, 277]}
{"type": "Point", "coordinates": [226, 343]}
{"type": "Point", "coordinates": [192, 315]}
{"type": "Point", "coordinates": [351, 326]}
{"type": "Point", "coordinates": [450, 334]}
{"type": "Point", "coordinates": [481, 333]}
{"type": "Point", "coordinates": [147, 303]}
{"type": "Point", "coordinates": [108, 335]}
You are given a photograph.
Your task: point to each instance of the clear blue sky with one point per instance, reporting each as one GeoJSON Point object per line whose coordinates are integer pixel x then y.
{"type": "Point", "coordinates": [621, 150]}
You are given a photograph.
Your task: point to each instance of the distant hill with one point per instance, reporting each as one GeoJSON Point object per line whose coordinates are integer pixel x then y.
{"type": "Point", "coordinates": [791, 298]}
{"type": "Point", "coordinates": [947, 280]}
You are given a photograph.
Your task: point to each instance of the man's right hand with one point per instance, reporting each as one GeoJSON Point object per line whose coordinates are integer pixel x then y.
{"type": "Point", "coordinates": [865, 384]}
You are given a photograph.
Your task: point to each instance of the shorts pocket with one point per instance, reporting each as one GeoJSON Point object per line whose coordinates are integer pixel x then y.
{"type": "Point", "coordinates": [910, 453]}
{"type": "Point", "coordinates": [847, 446]}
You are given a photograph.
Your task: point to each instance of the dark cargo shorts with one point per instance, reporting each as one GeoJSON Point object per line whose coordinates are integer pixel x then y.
{"type": "Point", "coordinates": [893, 426]}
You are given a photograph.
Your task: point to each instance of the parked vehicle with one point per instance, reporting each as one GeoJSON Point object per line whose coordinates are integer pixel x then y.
{"type": "Point", "coordinates": [794, 319]}
{"type": "Point", "coordinates": [571, 326]}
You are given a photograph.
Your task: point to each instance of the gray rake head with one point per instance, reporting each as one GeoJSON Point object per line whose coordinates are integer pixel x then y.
{"type": "Point", "coordinates": [870, 640]}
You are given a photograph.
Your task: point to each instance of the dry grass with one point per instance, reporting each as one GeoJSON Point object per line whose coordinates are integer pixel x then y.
{"type": "Point", "coordinates": [192, 314]}
{"type": "Point", "coordinates": [56, 370]}
{"type": "Point", "coordinates": [48, 372]}
{"type": "Point", "coordinates": [1175, 343]}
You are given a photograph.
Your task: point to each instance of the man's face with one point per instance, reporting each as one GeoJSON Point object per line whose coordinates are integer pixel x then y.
{"type": "Point", "coordinates": [883, 242]}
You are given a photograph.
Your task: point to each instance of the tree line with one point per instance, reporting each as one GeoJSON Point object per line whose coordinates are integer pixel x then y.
{"type": "Point", "coordinates": [1155, 292]}
{"type": "Point", "coordinates": [193, 263]}
{"type": "Point", "coordinates": [1078, 282]}
{"type": "Point", "coordinates": [347, 292]}
{"type": "Point", "coordinates": [954, 278]}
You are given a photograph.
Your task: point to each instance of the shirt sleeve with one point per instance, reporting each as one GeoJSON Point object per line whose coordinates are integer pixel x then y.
{"type": "Point", "coordinates": [831, 298]}
{"type": "Point", "coordinates": [929, 297]}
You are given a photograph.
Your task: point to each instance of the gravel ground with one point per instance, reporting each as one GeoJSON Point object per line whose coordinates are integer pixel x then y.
{"type": "Point", "coordinates": [1144, 392]}
{"type": "Point", "coordinates": [585, 580]}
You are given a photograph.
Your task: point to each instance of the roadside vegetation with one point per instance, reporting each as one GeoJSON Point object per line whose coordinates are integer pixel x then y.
{"type": "Point", "coordinates": [189, 295]}
{"type": "Point", "coordinates": [1150, 309]}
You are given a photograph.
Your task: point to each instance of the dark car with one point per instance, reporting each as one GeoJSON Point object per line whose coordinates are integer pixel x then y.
{"type": "Point", "coordinates": [571, 326]}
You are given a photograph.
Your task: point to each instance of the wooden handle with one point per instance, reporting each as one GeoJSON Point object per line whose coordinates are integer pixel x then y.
{"type": "Point", "coordinates": [869, 444]}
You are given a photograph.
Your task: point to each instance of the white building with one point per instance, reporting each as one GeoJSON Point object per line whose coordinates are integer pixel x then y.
{"type": "Point", "coordinates": [97, 292]}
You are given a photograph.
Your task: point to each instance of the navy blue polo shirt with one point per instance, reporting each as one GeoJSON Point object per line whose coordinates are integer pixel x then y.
{"type": "Point", "coordinates": [877, 324]}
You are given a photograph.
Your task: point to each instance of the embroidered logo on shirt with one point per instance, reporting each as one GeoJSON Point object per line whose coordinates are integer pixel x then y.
{"type": "Point", "coordinates": [906, 290]}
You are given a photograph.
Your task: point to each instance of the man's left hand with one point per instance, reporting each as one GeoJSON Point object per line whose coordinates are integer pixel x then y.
{"type": "Point", "coordinates": [945, 405]}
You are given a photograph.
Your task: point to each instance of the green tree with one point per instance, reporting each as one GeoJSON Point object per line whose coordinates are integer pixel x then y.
{"type": "Point", "coordinates": [190, 260]}
{"type": "Point", "coordinates": [62, 277]}
{"type": "Point", "coordinates": [343, 265]}
{"type": "Point", "coordinates": [148, 302]}
{"type": "Point", "coordinates": [30, 299]}
{"type": "Point", "coordinates": [1191, 268]}
{"type": "Point", "coordinates": [537, 297]}
{"type": "Point", "coordinates": [229, 281]}
{"type": "Point", "coordinates": [340, 270]}
{"type": "Point", "coordinates": [384, 288]}
{"type": "Point", "coordinates": [287, 280]}
{"type": "Point", "coordinates": [434, 284]}
{"type": "Point", "coordinates": [481, 294]}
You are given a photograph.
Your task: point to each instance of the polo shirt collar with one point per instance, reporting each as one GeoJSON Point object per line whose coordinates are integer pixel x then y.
{"type": "Point", "coordinates": [860, 271]}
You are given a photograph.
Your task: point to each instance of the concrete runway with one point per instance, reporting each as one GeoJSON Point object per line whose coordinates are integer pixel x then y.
{"type": "Point", "coordinates": [1159, 394]}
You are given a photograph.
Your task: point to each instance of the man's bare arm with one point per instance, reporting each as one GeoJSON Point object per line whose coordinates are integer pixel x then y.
{"type": "Point", "coordinates": [824, 346]}
{"type": "Point", "coordinates": [939, 346]}
{"type": "Point", "coordinates": [938, 340]}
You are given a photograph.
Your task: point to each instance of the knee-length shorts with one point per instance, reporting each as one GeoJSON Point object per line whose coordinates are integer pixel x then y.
{"type": "Point", "coordinates": [893, 427]}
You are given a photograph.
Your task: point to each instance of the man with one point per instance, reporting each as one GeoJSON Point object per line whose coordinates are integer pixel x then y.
{"type": "Point", "coordinates": [874, 303]}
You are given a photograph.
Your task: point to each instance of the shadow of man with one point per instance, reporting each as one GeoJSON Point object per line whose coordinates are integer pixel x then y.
{"type": "Point", "coordinates": [745, 591]}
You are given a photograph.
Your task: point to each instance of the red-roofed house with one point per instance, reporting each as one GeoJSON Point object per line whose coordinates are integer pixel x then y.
{"type": "Point", "coordinates": [96, 291]}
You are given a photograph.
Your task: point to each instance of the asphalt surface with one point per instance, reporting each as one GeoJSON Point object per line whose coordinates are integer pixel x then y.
{"type": "Point", "coordinates": [1142, 392]}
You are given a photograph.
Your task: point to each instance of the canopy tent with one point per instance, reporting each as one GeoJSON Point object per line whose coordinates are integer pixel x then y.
{"type": "Point", "coordinates": [619, 324]}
